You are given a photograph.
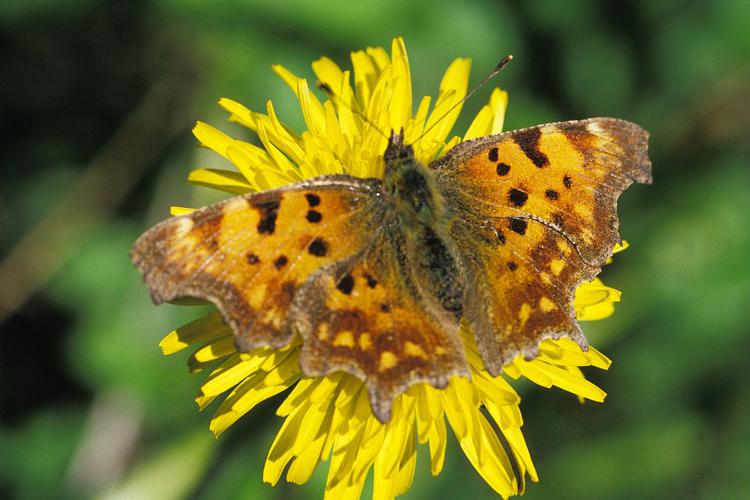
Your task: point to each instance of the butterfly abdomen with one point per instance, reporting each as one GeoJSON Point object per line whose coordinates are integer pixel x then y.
{"type": "Point", "coordinates": [437, 270]}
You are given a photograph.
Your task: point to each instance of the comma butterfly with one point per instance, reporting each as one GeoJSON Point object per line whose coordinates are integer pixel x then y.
{"type": "Point", "coordinates": [375, 275]}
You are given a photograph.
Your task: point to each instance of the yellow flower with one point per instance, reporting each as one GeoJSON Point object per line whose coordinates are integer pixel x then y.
{"type": "Point", "coordinates": [329, 418]}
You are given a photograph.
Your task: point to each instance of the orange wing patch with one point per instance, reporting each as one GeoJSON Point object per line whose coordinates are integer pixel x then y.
{"type": "Point", "coordinates": [568, 175]}
{"type": "Point", "coordinates": [249, 254]}
{"type": "Point", "coordinates": [366, 317]}
{"type": "Point", "coordinates": [535, 215]}
{"type": "Point", "coordinates": [520, 289]}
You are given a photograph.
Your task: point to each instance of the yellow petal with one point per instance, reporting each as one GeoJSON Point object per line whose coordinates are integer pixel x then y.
{"type": "Point", "coordinates": [365, 77]}
{"type": "Point", "coordinates": [176, 211]}
{"type": "Point", "coordinates": [253, 390]}
{"type": "Point", "coordinates": [593, 300]}
{"type": "Point", "coordinates": [283, 137]}
{"type": "Point", "coordinates": [304, 464]}
{"type": "Point", "coordinates": [437, 443]}
{"type": "Point", "coordinates": [619, 247]}
{"type": "Point", "coordinates": [407, 464]}
{"type": "Point", "coordinates": [564, 351]}
{"type": "Point", "coordinates": [452, 89]}
{"type": "Point", "coordinates": [329, 73]}
{"type": "Point", "coordinates": [489, 120]}
{"type": "Point", "coordinates": [239, 113]}
{"type": "Point", "coordinates": [498, 104]}
{"type": "Point", "coordinates": [214, 350]}
{"type": "Point", "coordinates": [379, 57]}
{"type": "Point", "coordinates": [289, 78]}
{"type": "Point", "coordinates": [344, 406]}
{"type": "Point", "coordinates": [389, 456]}
{"type": "Point", "coordinates": [298, 397]}
{"type": "Point", "coordinates": [312, 109]}
{"type": "Point", "coordinates": [346, 448]}
{"type": "Point", "coordinates": [224, 180]}
{"type": "Point", "coordinates": [481, 125]}
{"type": "Point", "coordinates": [416, 125]}
{"type": "Point", "coordinates": [285, 166]}
{"type": "Point", "coordinates": [206, 328]}
{"type": "Point", "coordinates": [400, 106]}
{"type": "Point", "coordinates": [212, 138]}
{"type": "Point", "coordinates": [260, 171]}
{"type": "Point", "coordinates": [547, 375]}
{"type": "Point", "coordinates": [233, 371]}
{"type": "Point", "coordinates": [294, 436]}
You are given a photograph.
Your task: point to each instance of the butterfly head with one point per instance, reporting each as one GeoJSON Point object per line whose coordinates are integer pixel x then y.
{"type": "Point", "coordinates": [397, 151]}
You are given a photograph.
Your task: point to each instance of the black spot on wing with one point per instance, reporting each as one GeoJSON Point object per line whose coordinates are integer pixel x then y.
{"type": "Point", "coordinates": [371, 282]}
{"type": "Point", "coordinates": [252, 258]}
{"type": "Point", "coordinates": [517, 197]}
{"type": "Point", "coordinates": [567, 181]}
{"type": "Point", "coordinates": [551, 194]}
{"type": "Point", "coordinates": [503, 169]}
{"type": "Point", "coordinates": [500, 235]}
{"type": "Point", "coordinates": [269, 210]}
{"type": "Point", "coordinates": [512, 266]}
{"type": "Point", "coordinates": [314, 216]}
{"type": "Point", "coordinates": [312, 199]}
{"type": "Point", "coordinates": [318, 247]}
{"type": "Point", "coordinates": [280, 262]}
{"type": "Point", "coordinates": [346, 284]}
{"type": "Point", "coordinates": [492, 155]}
{"type": "Point", "coordinates": [528, 141]}
{"type": "Point", "coordinates": [518, 225]}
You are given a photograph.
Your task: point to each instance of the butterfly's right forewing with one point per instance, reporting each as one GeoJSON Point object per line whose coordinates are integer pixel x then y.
{"type": "Point", "coordinates": [534, 215]}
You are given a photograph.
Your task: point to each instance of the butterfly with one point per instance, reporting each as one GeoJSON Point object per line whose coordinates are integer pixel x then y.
{"type": "Point", "coordinates": [376, 275]}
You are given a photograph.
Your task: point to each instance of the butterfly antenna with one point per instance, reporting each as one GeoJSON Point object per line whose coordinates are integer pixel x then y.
{"type": "Point", "coordinates": [499, 66]}
{"type": "Point", "coordinates": [332, 96]}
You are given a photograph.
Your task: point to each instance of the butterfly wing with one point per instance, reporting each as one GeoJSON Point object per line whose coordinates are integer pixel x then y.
{"type": "Point", "coordinates": [249, 254]}
{"type": "Point", "coordinates": [367, 316]}
{"type": "Point", "coordinates": [323, 257]}
{"type": "Point", "coordinates": [534, 215]}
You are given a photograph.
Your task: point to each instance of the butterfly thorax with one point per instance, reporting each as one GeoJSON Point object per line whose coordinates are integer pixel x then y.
{"type": "Point", "coordinates": [410, 186]}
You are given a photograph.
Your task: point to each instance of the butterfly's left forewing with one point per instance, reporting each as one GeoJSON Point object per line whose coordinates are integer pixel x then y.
{"type": "Point", "coordinates": [249, 254]}
{"type": "Point", "coordinates": [533, 214]}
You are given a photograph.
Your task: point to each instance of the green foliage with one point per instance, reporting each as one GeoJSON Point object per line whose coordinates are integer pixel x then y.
{"type": "Point", "coordinates": [675, 422]}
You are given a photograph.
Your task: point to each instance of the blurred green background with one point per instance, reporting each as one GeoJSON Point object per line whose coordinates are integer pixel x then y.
{"type": "Point", "coordinates": [96, 103]}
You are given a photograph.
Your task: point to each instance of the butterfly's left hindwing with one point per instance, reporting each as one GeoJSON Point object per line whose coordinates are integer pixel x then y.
{"type": "Point", "coordinates": [367, 316]}
{"type": "Point", "coordinates": [533, 214]}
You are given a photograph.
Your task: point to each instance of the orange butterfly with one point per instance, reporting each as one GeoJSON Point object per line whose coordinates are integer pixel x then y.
{"type": "Point", "coordinates": [376, 274]}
